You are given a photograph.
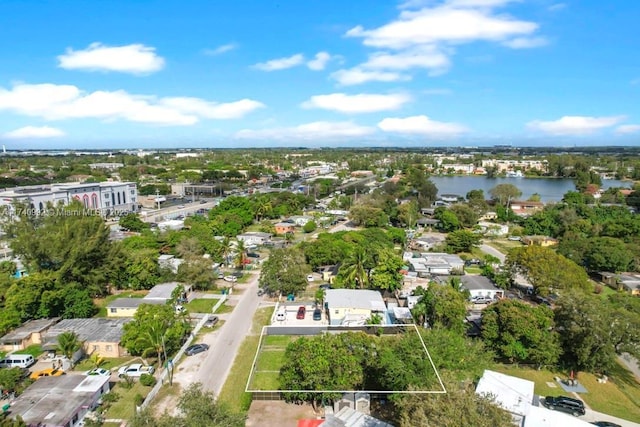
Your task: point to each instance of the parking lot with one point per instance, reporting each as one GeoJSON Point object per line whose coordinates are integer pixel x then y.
{"type": "Point", "coordinates": [291, 312]}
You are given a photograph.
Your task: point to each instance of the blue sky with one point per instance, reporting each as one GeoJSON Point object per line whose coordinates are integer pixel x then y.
{"type": "Point", "coordinates": [243, 73]}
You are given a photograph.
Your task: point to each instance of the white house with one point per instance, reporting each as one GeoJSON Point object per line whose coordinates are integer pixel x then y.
{"type": "Point", "coordinates": [436, 263]}
{"type": "Point", "coordinates": [480, 286]}
{"type": "Point", "coordinates": [254, 238]}
{"type": "Point", "coordinates": [352, 307]}
{"type": "Point", "coordinates": [493, 229]}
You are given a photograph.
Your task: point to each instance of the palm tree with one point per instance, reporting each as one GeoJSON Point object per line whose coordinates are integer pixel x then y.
{"type": "Point", "coordinates": [262, 207]}
{"type": "Point", "coordinates": [68, 344]}
{"type": "Point", "coordinates": [153, 341]}
{"type": "Point", "coordinates": [227, 248]}
{"type": "Point", "coordinates": [97, 360]}
{"type": "Point", "coordinates": [241, 255]}
{"type": "Point", "coordinates": [354, 271]}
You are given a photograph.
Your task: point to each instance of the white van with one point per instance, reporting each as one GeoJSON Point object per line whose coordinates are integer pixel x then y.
{"type": "Point", "coordinates": [281, 315]}
{"type": "Point", "coordinates": [17, 361]}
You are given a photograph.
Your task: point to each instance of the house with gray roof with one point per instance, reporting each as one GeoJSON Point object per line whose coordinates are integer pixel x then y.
{"type": "Point", "coordinates": [98, 334]}
{"type": "Point", "coordinates": [351, 307]}
{"type": "Point", "coordinates": [29, 333]}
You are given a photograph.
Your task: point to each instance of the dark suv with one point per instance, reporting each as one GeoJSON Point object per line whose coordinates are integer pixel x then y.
{"type": "Point", "coordinates": [571, 406]}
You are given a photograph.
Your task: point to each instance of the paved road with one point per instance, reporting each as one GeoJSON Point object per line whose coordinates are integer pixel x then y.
{"type": "Point", "coordinates": [591, 416]}
{"type": "Point", "coordinates": [492, 251]}
{"type": "Point", "coordinates": [212, 367]}
{"type": "Point", "coordinates": [631, 363]}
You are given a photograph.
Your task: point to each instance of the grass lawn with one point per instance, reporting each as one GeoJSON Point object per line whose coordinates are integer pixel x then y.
{"type": "Point", "coordinates": [619, 397]}
{"type": "Point", "coordinates": [102, 303]}
{"type": "Point", "coordinates": [109, 363]}
{"type": "Point", "coordinates": [224, 308]}
{"type": "Point", "coordinates": [233, 390]}
{"type": "Point", "coordinates": [35, 350]}
{"type": "Point", "coordinates": [473, 270]}
{"type": "Point", "coordinates": [270, 360]}
{"type": "Point", "coordinates": [503, 245]}
{"type": "Point", "coordinates": [266, 381]}
{"type": "Point", "coordinates": [278, 340]}
{"type": "Point", "coordinates": [124, 407]}
{"type": "Point", "coordinates": [200, 305]}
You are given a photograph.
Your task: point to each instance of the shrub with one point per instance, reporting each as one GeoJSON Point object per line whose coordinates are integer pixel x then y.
{"type": "Point", "coordinates": [147, 380]}
{"type": "Point", "coordinates": [138, 399]}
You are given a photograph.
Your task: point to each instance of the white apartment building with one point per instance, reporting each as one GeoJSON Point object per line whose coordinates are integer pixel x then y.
{"type": "Point", "coordinates": [108, 198]}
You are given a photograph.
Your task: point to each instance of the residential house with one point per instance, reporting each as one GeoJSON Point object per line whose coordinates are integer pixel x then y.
{"type": "Point", "coordinates": [170, 262]}
{"type": "Point", "coordinates": [300, 220]}
{"type": "Point", "coordinates": [284, 227]}
{"type": "Point", "coordinates": [627, 282]}
{"type": "Point", "coordinates": [328, 272]}
{"type": "Point", "coordinates": [60, 401]}
{"type": "Point", "coordinates": [525, 208]}
{"type": "Point", "coordinates": [436, 263]}
{"type": "Point", "coordinates": [98, 335]}
{"type": "Point", "coordinates": [29, 333]}
{"type": "Point", "coordinates": [544, 241]}
{"type": "Point", "coordinates": [516, 396]}
{"type": "Point", "coordinates": [251, 238]}
{"type": "Point", "coordinates": [493, 229]}
{"type": "Point", "coordinates": [427, 222]}
{"type": "Point", "coordinates": [350, 307]}
{"type": "Point", "coordinates": [480, 286]}
{"type": "Point", "coordinates": [426, 243]}
{"type": "Point", "coordinates": [159, 294]}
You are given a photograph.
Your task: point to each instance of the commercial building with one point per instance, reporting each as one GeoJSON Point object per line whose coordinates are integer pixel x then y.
{"type": "Point", "coordinates": [60, 401]}
{"type": "Point", "coordinates": [104, 198]}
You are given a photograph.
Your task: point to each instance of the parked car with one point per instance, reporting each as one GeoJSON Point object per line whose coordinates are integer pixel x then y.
{"type": "Point", "coordinates": [99, 371]}
{"type": "Point", "coordinates": [237, 274]}
{"type": "Point", "coordinates": [135, 370]}
{"type": "Point", "coordinates": [220, 275]}
{"type": "Point", "coordinates": [310, 278]}
{"type": "Point", "coordinates": [253, 255]}
{"type": "Point", "coordinates": [230, 278]}
{"type": "Point", "coordinates": [211, 322]}
{"type": "Point", "coordinates": [195, 349]}
{"type": "Point", "coordinates": [180, 206]}
{"type": "Point", "coordinates": [317, 314]}
{"type": "Point", "coordinates": [281, 315]}
{"type": "Point", "coordinates": [325, 286]}
{"type": "Point", "coordinates": [481, 300]}
{"type": "Point", "coordinates": [301, 312]}
{"type": "Point", "coordinates": [260, 292]}
{"type": "Point", "coordinates": [49, 372]}
{"type": "Point", "coordinates": [566, 404]}
{"type": "Point", "coordinates": [605, 424]}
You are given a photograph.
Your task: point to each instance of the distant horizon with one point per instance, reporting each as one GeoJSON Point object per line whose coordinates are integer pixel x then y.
{"type": "Point", "coordinates": [228, 74]}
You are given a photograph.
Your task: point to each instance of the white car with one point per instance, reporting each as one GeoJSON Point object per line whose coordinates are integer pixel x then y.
{"type": "Point", "coordinates": [99, 371]}
{"type": "Point", "coordinates": [230, 279]}
{"type": "Point", "coordinates": [310, 278]}
{"type": "Point", "coordinates": [135, 370]}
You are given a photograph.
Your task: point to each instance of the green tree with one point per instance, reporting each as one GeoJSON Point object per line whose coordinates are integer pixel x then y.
{"type": "Point", "coordinates": [408, 213]}
{"type": "Point", "coordinates": [386, 275]}
{"type": "Point", "coordinates": [505, 193]}
{"type": "Point", "coordinates": [522, 333]}
{"type": "Point", "coordinates": [132, 222]}
{"type": "Point", "coordinates": [465, 214]}
{"type": "Point", "coordinates": [154, 331]}
{"type": "Point", "coordinates": [443, 305]}
{"type": "Point", "coordinates": [448, 220]}
{"type": "Point", "coordinates": [461, 241]}
{"type": "Point", "coordinates": [547, 270]}
{"type": "Point", "coordinates": [367, 215]}
{"type": "Point", "coordinates": [353, 272]}
{"type": "Point", "coordinates": [285, 271]}
{"type": "Point", "coordinates": [10, 379]}
{"type": "Point", "coordinates": [68, 344]}
{"type": "Point", "coordinates": [458, 407]}
{"type": "Point", "coordinates": [608, 254]}
{"type": "Point", "coordinates": [310, 227]}
{"type": "Point", "coordinates": [476, 201]}
{"type": "Point", "coordinates": [197, 271]}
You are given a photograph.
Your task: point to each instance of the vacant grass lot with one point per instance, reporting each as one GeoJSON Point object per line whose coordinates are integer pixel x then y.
{"type": "Point", "coordinates": [124, 407]}
{"type": "Point", "coordinates": [619, 397]}
{"type": "Point", "coordinates": [200, 305]}
{"type": "Point", "coordinates": [224, 308]}
{"type": "Point", "coordinates": [35, 350]}
{"type": "Point", "coordinates": [503, 245]}
{"type": "Point", "coordinates": [232, 392]}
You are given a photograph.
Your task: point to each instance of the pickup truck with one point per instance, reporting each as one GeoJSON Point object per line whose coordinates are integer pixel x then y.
{"type": "Point", "coordinates": [135, 370]}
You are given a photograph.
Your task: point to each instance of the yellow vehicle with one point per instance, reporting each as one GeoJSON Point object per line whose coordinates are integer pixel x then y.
{"type": "Point", "coordinates": [49, 372]}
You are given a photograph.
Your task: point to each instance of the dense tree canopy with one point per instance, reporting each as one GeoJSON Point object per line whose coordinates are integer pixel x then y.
{"type": "Point", "coordinates": [285, 271]}
{"type": "Point", "coordinates": [504, 193]}
{"type": "Point", "coordinates": [441, 306]}
{"type": "Point", "coordinates": [547, 270]}
{"type": "Point", "coordinates": [518, 332]}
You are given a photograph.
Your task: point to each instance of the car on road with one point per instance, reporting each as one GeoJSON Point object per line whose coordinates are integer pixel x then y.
{"type": "Point", "coordinates": [195, 349]}
{"type": "Point", "coordinates": [605, 424]}
{"type": "Point", "coordinates": [180, 206]}
{"type": "Point", "coordinates": [49, 372]}
{"type": "Point", "coordinates": [310, 278]}
{"type": "Point", "coordinates": [566, 404]}
{"type": "Point", "coordinates": [211, 322]}
{"type": "Point", "coordinates": [135, 370]}
{"type": "Point", "coordinates": [317, 314]}
{"type": "Point", "coordinates": [99, 371]}
{"type": "Point", "coordinates": [230, 278]}
{"type": "Point", "coordinates": [302, 311]}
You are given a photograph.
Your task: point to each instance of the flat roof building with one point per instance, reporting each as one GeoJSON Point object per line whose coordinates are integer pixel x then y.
{"type": "Point", "coordinates": [98, 334]}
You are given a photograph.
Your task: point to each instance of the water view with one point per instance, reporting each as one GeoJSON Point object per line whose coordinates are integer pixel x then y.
{"type": "Point", "coordinates": [549, 189]}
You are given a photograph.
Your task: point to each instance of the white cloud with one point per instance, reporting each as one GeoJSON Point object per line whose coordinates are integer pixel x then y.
{"type": "Point", "coordinates": [421, 125]}
{"type": "Point", "coordinates": [281, 63]}
{"type": "Point", "coordinates": [627, 129]}
{"type": "Point", "coordinates": [526, 42]}
{"type": "Point", "coordinates": [428, 57]}
{"type": "Point", "coordinates": [309, 131]}
{"type": "Point", "coordinates": [443, 24]}
{"type": "Point", "coordinates": [29, 132]}
{"type": "Point", "coordinates": [319, 62]}
{"type": "Point", "coordinates": [575, 125]}
{"type": "Point", "coordinates": [221, 49]}
{"type": "Point", "coordinates": [59, 102]}
{"type": "Point", "coordinates": [133, 58]}
{"type": "Point", "coordinates": [212, 110]}
{"type": "Point", "coordinates": [556, 7]}
{"type": "Point", "coordinates": [356, 76]}
{"type": "Point", "coordinates": [360, 103]}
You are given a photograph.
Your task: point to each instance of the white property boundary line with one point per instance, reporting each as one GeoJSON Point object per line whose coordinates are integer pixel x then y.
{"type": "Point", "coordinates": [415, 328]}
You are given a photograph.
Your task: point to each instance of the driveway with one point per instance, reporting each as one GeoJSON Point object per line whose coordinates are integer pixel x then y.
{"type": "Point", "coordinates": [492, 251]}
{"type": "Point", "coordinates": [212, 367]}
{"type": "Point", "coordinates": [591, 416]}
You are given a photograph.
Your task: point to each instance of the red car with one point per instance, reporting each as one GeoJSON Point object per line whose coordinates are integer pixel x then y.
{"type": "Point", "coordinates": [301, 312]}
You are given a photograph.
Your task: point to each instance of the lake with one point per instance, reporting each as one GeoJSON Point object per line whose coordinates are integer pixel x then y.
{"type": "Point", "coordinates": [549, 189]}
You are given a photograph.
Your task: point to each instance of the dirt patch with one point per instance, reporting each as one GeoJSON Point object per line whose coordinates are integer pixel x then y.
{"type": "Point", "coordinates": [277, 413]}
